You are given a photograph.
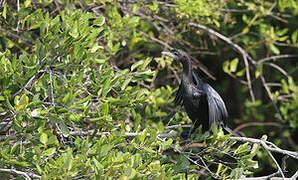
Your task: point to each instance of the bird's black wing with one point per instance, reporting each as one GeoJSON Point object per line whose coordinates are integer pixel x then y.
{"type": "Point", "coordinates": [178, 99]}
{"type": "Point", "coordinates": [217, 109]}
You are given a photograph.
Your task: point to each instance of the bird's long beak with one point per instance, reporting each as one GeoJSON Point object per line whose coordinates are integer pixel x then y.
{"type": "Point", "coordinates": [169, 54]}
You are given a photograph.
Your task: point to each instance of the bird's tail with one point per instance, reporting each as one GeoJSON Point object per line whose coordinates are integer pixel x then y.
{"type": "Point", "coordinates": [226, 128]}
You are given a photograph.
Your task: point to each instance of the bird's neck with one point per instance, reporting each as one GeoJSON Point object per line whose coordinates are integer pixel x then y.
{"type": "Point", "coordinates": [187, 70]}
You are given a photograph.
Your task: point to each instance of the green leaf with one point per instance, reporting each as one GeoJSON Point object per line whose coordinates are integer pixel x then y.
{"type": "Point", "coordinates": [98, 165]}
{"type": "Point", "coordinates": [74, 32]}
{"type": "Point", "coordinates": [27, 3]}
{"type": "Point", "coordinates": [274, 49]}
{"type": "Point", "coordinates": [241, 72]}
{"type": "Point", "coordinates": [14, 147]}
{"type": "Point", "coordinates": [242, 148]}
{"type": "Point", "coordinates": [42, 29]}
{"type": "Point", "coordinates": [64, 129]}
{"type": "Point", "coordinates": [126, 82]}
{"type": "Point", "coordinates": [95, 47]}
{"type": "Point", "coordinates": [168, 142]}
{"type": "Point", "coordinates": [294, 36]}
{"type": "Point", "coordinates": [100, 61]}
{"type": "Point", "coordinates": [49, 152]}
{"type": "Point", "coordinates": [100, 21]}
{"type": "Point", "coordinates": [137, 64]}
{"type": "Point", "coordinates": [4, 10]}
{"type": "Point", "coordinates": [95, 119]}
{"type": "Point", "coordinates": [68, 160]}
{"type": "Point", "coordinates": [259, 70]}
{"type": "Point", "coordinates": [252, 163]}
{"type": "Point", "coordinates": [44, 138]}
{"type": "Point", "coordinates": [225, 67]}
{"type": "Point", "coordinates": [237, 173]}
{"type": "Point", "coordinates": [105, 108]}
{"type": "Point", "coordinates": [148, 149]}
{"type": "Point", "coordinates": [219, 167]}
{"type": "Point", "coordinates": [142, 136]}
{"type": "Point", "coordinates": [234, 64]}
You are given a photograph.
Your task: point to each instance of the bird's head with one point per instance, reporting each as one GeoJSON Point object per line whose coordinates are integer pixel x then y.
{"type": "Point", "coordinates": [177, 55]}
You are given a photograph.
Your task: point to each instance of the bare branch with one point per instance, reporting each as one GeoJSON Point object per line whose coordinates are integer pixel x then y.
{"type": "Point", "coordinates": [27, 42]}
{"type": "Point", "coordinates": [245, 56]}
{"type": "Point", "coordinates": [266, 146]}
{"type": "Point", "coordinates": [242, 126]}
{"type": "Point", "coordinates": [274, 58]}
{"type": "Point", "coordinates": [277, 68]}
{"type": "Point", "coordinates": [26, 175]}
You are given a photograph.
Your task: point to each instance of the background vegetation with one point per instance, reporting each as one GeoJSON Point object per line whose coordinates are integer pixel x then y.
{"type": "Point", "coordinates": [85, 92]}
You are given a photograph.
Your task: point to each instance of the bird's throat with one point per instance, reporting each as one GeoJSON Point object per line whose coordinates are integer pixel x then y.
{"type": "Point", "coordinates": [187, 71]}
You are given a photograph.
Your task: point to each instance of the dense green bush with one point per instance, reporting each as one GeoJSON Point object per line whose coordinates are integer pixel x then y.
{"type": "Point", "coordinates": [85, 92]}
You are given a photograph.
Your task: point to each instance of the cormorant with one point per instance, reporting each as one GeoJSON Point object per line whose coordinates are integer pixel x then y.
{"type": "Point", "coordinates": [202, 103]}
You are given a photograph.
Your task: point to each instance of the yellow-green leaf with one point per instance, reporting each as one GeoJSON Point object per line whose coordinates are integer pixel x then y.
{"type": "Point", "coordinates": [95, 47]}
{"type": "Point", "coordinates": [4, 11]}
{"type": "Point", "coordinates": [294, 36]}
{"type": "Point", "coordinates": [44, 138]}
{"type": "Point", "coordinates": [100, 21]}
{"type": "Point", "coordinates": [245, 30]}
{"type": "Point", "coordinates": [137, 64]}
{"type": "Point", "coordinates": [225, 67]}
{"type": "Point", "coordinates": [23, 102]}
{"type": "Point", "coordinates": [259, 70]}
{"type": "Point", "coordinates": [274, 49]}
{"type": "Point", "coordinates": [234, 64]}
{"type": "Point", "coordinates": [126, 82]}
{"type": "Point", "coordinates": [240, 73]}
{"type": "Point", "coordinates": [49, 151]}
{"type": "Point", "coordinates": [27, 3]}
{"type": "Point", "coordinates": [218, 169]}
{"type": "Point", "coordinates": [100, 61]}
{"type": "Point", "coordinates": [74, 32]}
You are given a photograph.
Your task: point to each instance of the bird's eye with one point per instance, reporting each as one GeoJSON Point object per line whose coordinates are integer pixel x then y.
{"type": "Point", "coordinates": [175, 52]}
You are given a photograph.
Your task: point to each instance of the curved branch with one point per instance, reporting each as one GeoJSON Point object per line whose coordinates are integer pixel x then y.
{"type": "Point", "coordinates": [274, 58]}
{"type": "Point", "coordinates": [20, 173]}
{"type": "Point", "coordinates": [245, 125]}
{"type": "Point", "coordinates": [245, 56]}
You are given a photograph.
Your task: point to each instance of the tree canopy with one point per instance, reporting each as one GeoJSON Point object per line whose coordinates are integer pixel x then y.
{"type": "Point", "coordinates": [85, 92]}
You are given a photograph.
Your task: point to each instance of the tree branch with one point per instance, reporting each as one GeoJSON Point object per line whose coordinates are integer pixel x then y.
{"type": "Point", "coordinates": [245, 56]}
{"type": "Point", "coordinates": [20, 173]}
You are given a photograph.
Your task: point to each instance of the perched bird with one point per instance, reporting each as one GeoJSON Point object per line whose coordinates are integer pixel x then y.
{"type": "Point", "coordinates": [202, 103]}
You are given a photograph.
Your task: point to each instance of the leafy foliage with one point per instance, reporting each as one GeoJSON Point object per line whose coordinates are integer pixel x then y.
{"type": "Point", "coordinates": [77, 77]}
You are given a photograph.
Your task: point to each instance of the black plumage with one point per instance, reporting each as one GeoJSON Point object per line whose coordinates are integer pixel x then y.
{"type": "Point", "coordinates": [202, 103]}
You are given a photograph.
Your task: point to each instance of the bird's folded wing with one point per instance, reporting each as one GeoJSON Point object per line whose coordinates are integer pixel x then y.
{"type": "Point", "coordinates": [217, 109]}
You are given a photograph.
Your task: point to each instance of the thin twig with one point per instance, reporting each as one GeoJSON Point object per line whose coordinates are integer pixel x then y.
{"type": "Point", "coordinates": [273, 58]}
{"type": "Point", "coordinates": [52, 88]}
{"type": "Point", "coordinates": [278, 68]}
{"type": "Point", "coordinates": [257, 124]}
{"type": "Point", "coordinates": [30, 82]}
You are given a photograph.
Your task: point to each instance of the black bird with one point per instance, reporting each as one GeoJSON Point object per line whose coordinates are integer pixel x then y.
{"type": "Point", "coordinates": [201, 102]}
